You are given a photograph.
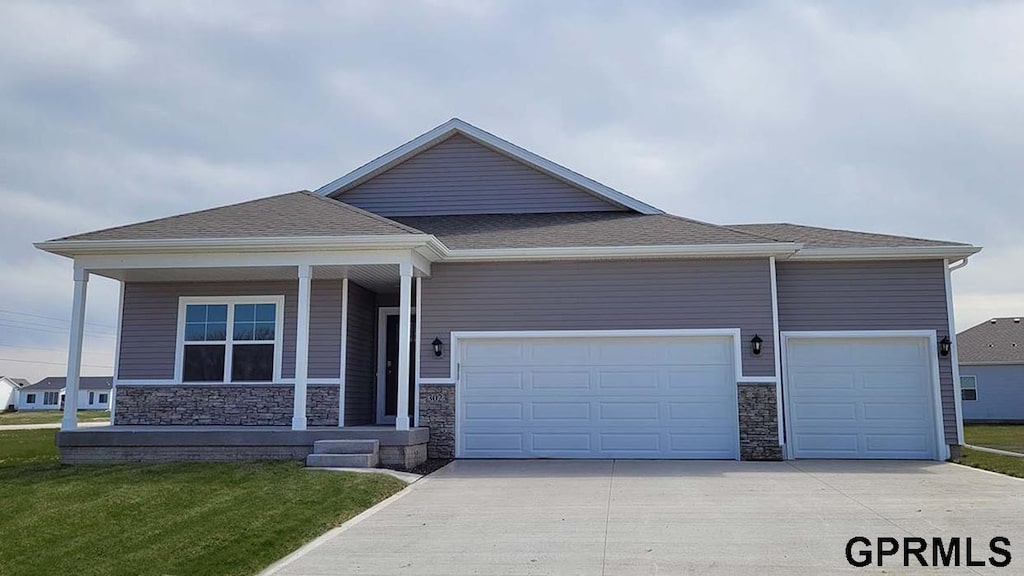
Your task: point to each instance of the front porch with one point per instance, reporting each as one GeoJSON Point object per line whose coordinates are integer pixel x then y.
{"type": "Point", "coordinates": [400, 449]}
{"type": "Point", "coordinates": [256, 352]}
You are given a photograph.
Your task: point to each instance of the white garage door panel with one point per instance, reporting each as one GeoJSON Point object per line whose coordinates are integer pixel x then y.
{"type": "Point", "coordinates": [598, 397]}
{"type": "Point", "coordinates": [861, 398]}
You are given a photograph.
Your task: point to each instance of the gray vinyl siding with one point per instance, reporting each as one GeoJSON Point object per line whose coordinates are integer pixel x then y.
{"type": "Point", "coordinates": [896, 295]}
{"type": "Point", "coordinates": [459, 176]}
{"type": "Point", "coordinates": [595, 295]}
{"type": "Point", "coordinates": [1000, 392]}
{"type": "Point", "coordinates": [150, 324]}
{"type": "Point", "coordinates": [361, 361]}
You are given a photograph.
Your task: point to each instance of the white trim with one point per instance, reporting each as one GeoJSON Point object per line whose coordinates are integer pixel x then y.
{"type": "Point", "coordinates": [179, 351]}
{"type": "Point", "coordinates": [259, 244]}
{"type": "Point", "coordinates": [343, 359]}
{"type": "Point", "coordinates": [887, 253]}
{"type": "Point", "coordinates": [117, 350]}
{"type": "Point", "coordinates": [733, 333]}
{"type": "Point", "coordinates": [659, 251]}
{"type": "Point", "coordinates": [437, 381]}
{"type": "Point", "coordinates": [953, 353]}
{"type": "Point", "coordinates": [941, 449]}
{"type": "Point", "coordinates": [455, 125]}
{"type": "Point", "coordinates": [382, 327]}
{"type": "Point", "coordinates": [777, 344]}
{"type": "Point", "coordinates": [418, 344]}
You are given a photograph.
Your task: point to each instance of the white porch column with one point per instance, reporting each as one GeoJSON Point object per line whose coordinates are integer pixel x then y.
{"type": "Point", "coordinates": [302, 349]}
{"type": "Point", "coordinates": [404, 328]}
{"type": "Point", "coordinates": [344, 352]}
{"type": "Point", "coordinates": [70, 420]}
{"type": "Point", "coordinates": [418, 344]}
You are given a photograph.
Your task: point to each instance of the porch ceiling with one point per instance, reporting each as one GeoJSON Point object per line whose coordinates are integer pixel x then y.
{"type": "Point", "coordinates": [376, 277]}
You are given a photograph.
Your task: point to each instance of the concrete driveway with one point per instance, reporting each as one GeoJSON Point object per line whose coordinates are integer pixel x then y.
{"type": "Point", "coordinates": [671, 517]}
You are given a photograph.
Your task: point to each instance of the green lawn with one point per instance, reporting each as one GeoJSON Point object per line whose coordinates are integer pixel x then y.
{"type": "Point", "coordinates": [49, 416]}
{"type": "Point", "coordinates": [1009, 465]}
{"type": "Point", "coordinates": [1002, 436]}
{"type": "Point", "coordinates": [164, 518]}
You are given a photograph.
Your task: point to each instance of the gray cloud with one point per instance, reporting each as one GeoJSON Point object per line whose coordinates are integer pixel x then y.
{"type": "Point", "coordinates": [901, 118]}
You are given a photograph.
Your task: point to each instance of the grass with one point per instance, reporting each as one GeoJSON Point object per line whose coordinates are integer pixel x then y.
{"type": "Point", "coordinates": [49, 416]}
{"type": "Point", "coordinates": [152, 519]}
{"type": "Point", "coordinates": [1001, 436]}
{"type": "Point", "coordinates": [1009, 465]}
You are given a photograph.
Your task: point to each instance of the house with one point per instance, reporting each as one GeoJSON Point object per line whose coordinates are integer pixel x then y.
{"type": "Point", "coordinates": [9, 387]}
{"type": "Point", "coordinates": [991, 358]}
{"type": "Point", "coordinates": [94, 393]}
{"type": "Point", "coordinates": [460, 296]}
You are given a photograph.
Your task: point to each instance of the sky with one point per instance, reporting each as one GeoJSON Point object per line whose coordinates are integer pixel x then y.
{"type": "Point", "coordinates": [898, 117]}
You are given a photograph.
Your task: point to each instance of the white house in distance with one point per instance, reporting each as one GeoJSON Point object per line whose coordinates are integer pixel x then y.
{"type": "Point", "coordinates": [94, 393]}
{"type": "Point", "coordinates": [9, 387]}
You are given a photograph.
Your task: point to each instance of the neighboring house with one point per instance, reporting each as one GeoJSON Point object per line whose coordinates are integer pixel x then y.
{"type": "Point", "coordinates": [9, 387]}
{"type": "Point", "coordinates": [992, 370]}
{"type": "Point", "coordinates": [94, 393]}
{"type": "Point", "coordinates": [516, 309]}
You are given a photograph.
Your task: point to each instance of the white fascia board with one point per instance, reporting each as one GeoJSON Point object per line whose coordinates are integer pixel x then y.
{"type": "Point", "coordinates": [585, 252]}
{"type": "Point", "coordinates": [1000, 363]}
{"type": "Point", "coordinates": [887, 253]}
{"type": "Point", "coordinates": [73, 248]}
{"type": "Point", "coordinates": [418, 144]}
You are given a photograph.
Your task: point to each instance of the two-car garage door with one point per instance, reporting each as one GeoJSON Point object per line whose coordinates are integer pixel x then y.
{"type": "Point", "coordinates": [597, 397]}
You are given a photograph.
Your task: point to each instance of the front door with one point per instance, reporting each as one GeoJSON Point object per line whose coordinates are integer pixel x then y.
{"type": "Point", "coordinates": [387, 366]}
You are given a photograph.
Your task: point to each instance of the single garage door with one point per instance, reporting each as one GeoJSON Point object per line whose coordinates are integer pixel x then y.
{"type": "Point", "coordinates": [869, 397]}
{"type": "Point", "coordinates": [597, 397]}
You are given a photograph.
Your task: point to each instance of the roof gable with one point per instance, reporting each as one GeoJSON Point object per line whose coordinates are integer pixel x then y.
{"type": "Point", "coordinates": [495, 176]}
{"type": "Point", "coordinates": [996, 341]}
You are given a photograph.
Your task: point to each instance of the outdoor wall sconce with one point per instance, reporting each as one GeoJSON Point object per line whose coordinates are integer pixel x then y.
{"type": "Point", "coordinates": [755, 345]}
{"type": "Point", "coordinates": [438, 347]}
{"type": "Point", "coordinates": [944, 345]}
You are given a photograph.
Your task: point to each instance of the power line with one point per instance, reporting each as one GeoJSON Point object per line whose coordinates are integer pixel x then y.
{"type": "Point", "coordinates": [17, 347]}
{"type": "Point", "coordinates": [64, 320]}
{"type": "Point", "coordinates": [44, 325]}
{"type": "Point", "coordinates": [51, 330]}
{"type": "Point", "coordinates": [54, 363]}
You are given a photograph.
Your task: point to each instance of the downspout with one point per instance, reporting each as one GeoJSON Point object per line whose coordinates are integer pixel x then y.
{"type": "Point", "coordinates": [954, 357]}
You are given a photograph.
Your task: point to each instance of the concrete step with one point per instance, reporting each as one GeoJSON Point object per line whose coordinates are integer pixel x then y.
{"type": "Point", "coordinates": [345, 446]}
{"type": "Point", "coordinates": [342, 460]}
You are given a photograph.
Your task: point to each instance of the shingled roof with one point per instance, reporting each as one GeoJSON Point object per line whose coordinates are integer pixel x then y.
{"type": "Point", "coordinates": [286, 215]}
{"type": "Point", "coordinates": [996, 341]}
{"type": "Point", "coordinates": [84, 383]}
{"type": "Point", "coordinates": [574, 229]}
{"type": "Point", "coordinates": [814, 237]}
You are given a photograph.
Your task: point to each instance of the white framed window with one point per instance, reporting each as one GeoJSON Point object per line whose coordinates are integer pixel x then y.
{"type": "Point", "coordinates": [969, 388]}
{"type": "Point", "coordinates": [30, 399]}
{"type": "Point", "coordinates": [229, 339]}
{"type": "Point", "coordinates": [92, 396]}
{"type": "Point", "coordinates": [104, 398]}
{"type": "Point", "coordinates": [51, 398]}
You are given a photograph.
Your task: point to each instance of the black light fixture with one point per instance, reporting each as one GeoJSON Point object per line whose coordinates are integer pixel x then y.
{"type": "Point", "coordinates": [755, 345]}
{"type": "Point", "coordinates": [944, 346]}
{"type": "Point", "coordinates": [438, 346]}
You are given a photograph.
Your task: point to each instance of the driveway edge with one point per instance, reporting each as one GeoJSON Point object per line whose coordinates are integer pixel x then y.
{"type": "Point", "coordinates": [330, 534]}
